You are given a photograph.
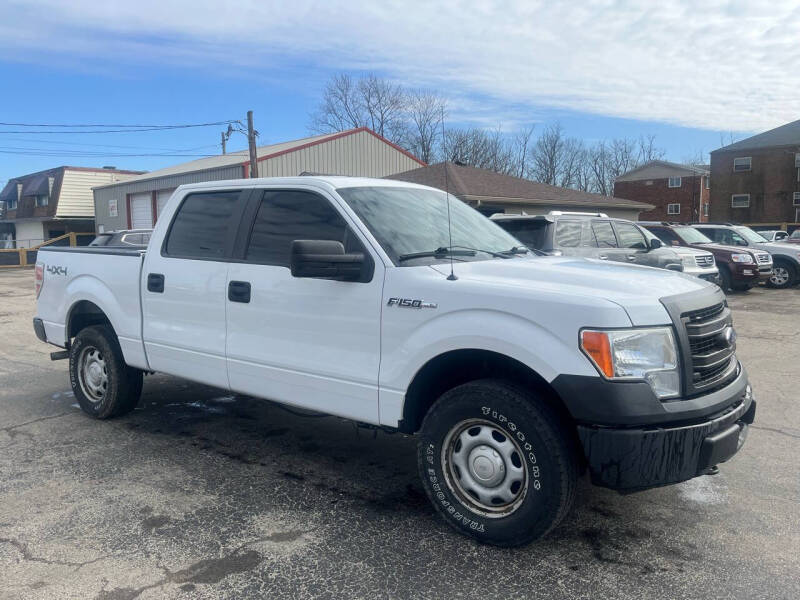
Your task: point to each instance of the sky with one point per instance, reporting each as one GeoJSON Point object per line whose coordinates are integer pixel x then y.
{"type": "Point", "coordinates": [695, 74]}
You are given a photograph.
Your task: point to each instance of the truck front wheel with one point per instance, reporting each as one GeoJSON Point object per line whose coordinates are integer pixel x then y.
{"type": "Point", "coordinates": [101, 381]}
{"type": "Point", "coordinates": [497, 462]}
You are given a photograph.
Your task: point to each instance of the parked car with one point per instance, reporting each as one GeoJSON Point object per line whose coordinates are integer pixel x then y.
{"type": "Point", "coordinates": [739, 268]}
{"type": "Point", "coordinates": [794, 238]}
{"type": "Point", "coordinates": [389, 304]}
{"type": "Point", "coordinates": [127, 238]}
{"type": "Point", "coordinates": [595, 235]}
{"type": "Point", "coordinates": [773, 235]}
{"type": "Point", "coordinates": [785, 257]}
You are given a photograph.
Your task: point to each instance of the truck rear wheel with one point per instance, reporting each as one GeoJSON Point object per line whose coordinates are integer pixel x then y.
{"type": "Point", "coordinates": [103, 384]}
{"type": "Point", "coordinates": [497, 463]}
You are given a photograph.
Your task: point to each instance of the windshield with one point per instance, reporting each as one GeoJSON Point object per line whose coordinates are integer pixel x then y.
{"type": "Point", "coordinates": [750, 235]}
{"type": "Point", "coordinates": [411, 220]}
{"type": "Point", "coordinates": [690, 235]}
{"type": "Point", "coordinates": [528, 231]}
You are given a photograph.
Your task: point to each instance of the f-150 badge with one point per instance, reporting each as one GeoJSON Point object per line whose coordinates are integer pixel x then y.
{"type": "Point", "coordinates": [410, 303]}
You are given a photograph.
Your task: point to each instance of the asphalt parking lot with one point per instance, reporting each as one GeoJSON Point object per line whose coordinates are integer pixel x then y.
{"type": "Point", "coordinates": [200, 494]}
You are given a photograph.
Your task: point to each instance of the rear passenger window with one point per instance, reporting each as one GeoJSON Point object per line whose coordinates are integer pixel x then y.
{"type": "Point", "coordinates": [202, 226]}
{"type": "Point", "coordinates": [630, 236]}
{"type": "Point", "coordinates": [529, 232]}
{"type": "Point", "coordinates": [568, 234]}
{"type": "Point", "coordinates": [603, 234]}
{"type": "Point", "coordinates": [285, 216]}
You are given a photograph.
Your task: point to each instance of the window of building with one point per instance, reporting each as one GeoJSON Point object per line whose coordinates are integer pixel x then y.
{"type": "Point", "coordinates": [604, 234]}
{"type": "Point", "coordinates": [630, 236]}
{"type": "Point", "coordinates": [796, 199]}
{"type": "Point", "coordinates": [203, 225]}
{"type": "Point", "coordinates": [705, 209]}
{"type": "Point", "coordinates": [742, 164]}
{"type": "Point", "coordinates": [285, 216]}
{"type": "Point", "coordinates": [12, 204]}
{"type": "Point", "coordinates": [708, 181]}
{"type": "Point", "coordinates": [42, 200]}
{"type": "Point", "coordinates": [673, 209]}
{"type": "Point", "coordinates": [740, 201]}
{"type": "Point", "coordinates": [674, 182]}
{"type": "Point", "coordinates": [797, 159]}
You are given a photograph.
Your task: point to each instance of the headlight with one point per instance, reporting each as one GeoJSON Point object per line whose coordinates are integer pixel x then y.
{"type": "Point", "coordinates": [688, 261]}
{"type": "Point", "coordinates": [636, 354]}
{"type": "Point", "coordinates": [742, 258]}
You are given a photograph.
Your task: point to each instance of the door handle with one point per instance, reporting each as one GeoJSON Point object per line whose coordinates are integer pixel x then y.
{"type": "Point", "coordinates": [155, 283]}
{"type": "Point", "coordinates": [631, 257]}
{"type": "Point", "coordinates": [239, 291]}
{"type": "Point", "coordinates": [603, 257]}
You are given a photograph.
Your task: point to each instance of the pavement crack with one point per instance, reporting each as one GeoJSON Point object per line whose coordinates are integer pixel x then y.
{"type": "Point", "coordinates": [10, 428]}
{"type": "Point", "coordinates": [29, 557]}
{"type": "Point", "coordinates": [777, 430]}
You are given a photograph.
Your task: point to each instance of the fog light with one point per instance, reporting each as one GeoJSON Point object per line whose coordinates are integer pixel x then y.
{"type": "Point", "coordinates": [747, 271]}
{"type": "Point", "coordinates": [742, 436]}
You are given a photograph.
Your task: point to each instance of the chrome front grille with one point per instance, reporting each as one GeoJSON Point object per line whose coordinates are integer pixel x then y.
{"type": "Point", "coordinates": [712, 345]}
{"type": "Point", "coordinates": [704, 260]}
{"type": "Point", "coordinates": [763, 258]}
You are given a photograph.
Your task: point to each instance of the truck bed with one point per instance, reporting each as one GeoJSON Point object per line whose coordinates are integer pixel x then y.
{"type": "Point", "coordinates": [74, 279]}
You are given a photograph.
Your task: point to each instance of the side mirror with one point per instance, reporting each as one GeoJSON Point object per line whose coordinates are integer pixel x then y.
{"type": "Point", "coordinates": [325, 259]}
{"type": "Point", "coordinates": [655, 244]}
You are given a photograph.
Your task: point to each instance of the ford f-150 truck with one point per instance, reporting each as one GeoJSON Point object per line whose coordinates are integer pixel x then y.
{"type": "Point", "coordinates": [396, 306]}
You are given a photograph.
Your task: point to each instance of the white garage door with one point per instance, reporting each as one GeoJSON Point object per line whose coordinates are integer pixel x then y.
{"type": "Point", "coordinates": [141, 211]}
{"type": "Point", "coordinates": [161, 200]}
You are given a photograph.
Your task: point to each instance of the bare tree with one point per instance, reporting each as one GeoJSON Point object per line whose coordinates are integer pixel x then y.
{"type": "Point", "coordinates": [648, 150]}
{"type": "Point", "coordinates": [522, 149]}
{"type": "Point", "coordinates": [479, 148]}
{"type": "Point", "coordinates": [697, 158]}
{"type": "Point", "coordinates": [425, 114]}
{"type": "Point", "coordinates": [369, 102]}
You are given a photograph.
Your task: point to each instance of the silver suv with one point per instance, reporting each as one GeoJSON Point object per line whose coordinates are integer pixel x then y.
{"type": "Point", "coordinates": [596, 235]}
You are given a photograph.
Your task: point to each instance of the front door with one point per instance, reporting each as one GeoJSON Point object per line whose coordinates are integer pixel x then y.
{"type": "Point", "coordinates": [314, 343]}
{"type": "Point", "coordinates": [634, 244]}
{"type": "Point", "coordinates": [184, 286]}
{"type": "Point", "coordinates": [605, 242]}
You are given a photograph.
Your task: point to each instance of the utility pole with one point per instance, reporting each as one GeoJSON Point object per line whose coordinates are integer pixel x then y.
{"type": "Point", "coordinates": [222, 137]}
{"type": "Point", "coordinates": [251, 142]}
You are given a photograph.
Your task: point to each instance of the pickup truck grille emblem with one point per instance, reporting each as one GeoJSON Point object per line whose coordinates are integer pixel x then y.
{"type": "Point", "coordinates": [410, 303]}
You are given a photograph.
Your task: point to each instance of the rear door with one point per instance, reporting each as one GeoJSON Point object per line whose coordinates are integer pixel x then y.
{"type": "Point", "coordinates": [605, 241]}
{"type": "Point", "coordinates": [634, 244]}
{"type": "Point", "coordinates": [314, 343]}
{"type": "Point", "coordinates": [184, 286]}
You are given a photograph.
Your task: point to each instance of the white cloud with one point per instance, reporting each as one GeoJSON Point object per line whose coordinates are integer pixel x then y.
{"type": "Point", "coordinates": [713, 65]}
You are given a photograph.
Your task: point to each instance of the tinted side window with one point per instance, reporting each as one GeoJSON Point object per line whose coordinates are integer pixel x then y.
{"type": "Point", "coordinates": [603, 234]}
{"type": "Point", "coordinates": [202, 225]}
{"type": "Point", "coordinates": [568, 234]}
{"type": "Point", "coordinates": [529, 232]}
{"type": "Point", "coordinates": [285, 216]}
{"type": "Point", "coordinates": [630, 236]}
{"type": "Point", "coordinates": [665, 235]}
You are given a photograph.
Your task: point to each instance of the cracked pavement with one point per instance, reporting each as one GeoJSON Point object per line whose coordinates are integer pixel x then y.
{"type": "Point", "coordinates": [201, 494]}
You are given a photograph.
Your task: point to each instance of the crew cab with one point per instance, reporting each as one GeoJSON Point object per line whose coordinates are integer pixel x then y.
{"type": "Point", "coordinates": [739, 268]}
{"type": "Point", "coordinates": [400, 307]}
{"type": "Point", "coordinates": [595, 235]}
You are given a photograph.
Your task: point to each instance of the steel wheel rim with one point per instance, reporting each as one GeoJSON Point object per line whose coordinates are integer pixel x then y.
{"type": "Point", "coordinates": [485, 468]}
{"type": "Point", "coordinates": [780, 275]}
{"type": "Point", "coordinates": [92, 374]}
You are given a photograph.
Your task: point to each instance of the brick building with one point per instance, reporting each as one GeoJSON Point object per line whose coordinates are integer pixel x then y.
{"type": "Point", "coordinates": [678, 192]}
{"type": "Point", "coordinates": [757, 180]}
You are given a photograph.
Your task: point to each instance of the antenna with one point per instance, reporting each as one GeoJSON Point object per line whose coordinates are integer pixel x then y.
{"type": "Point", "coordinates": [452, 276]}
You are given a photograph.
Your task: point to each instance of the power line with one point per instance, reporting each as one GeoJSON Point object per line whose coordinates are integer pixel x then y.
{"type": "Point", "coordinates": [129, 128]}
{"type": "Point", "coordinates": [77, 153]}
{"type": "Point", "coordinates": [116, 125]}
{"type": "Point", "coordinates": [93, 145]}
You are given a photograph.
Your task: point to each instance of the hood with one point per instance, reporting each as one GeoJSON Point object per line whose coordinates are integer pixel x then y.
{"type": "Point", "coordinates": [720, 247]}
{"type": "Point", "coordinates": [778, 248]}
{"type": "Point", "coordinates": [688, 250]}
{"type": "Point", "coordinates": [636, 289]}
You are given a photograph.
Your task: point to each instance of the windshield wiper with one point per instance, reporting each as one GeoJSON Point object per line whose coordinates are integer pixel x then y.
{"type": "Point", "coordinates": [440, 252]}
{"type": "Point", "coordinates": [516, 250]}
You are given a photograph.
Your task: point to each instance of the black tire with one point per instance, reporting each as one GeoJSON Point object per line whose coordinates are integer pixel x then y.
{"type": "Point", "coordinates": [103, 384]}
{"type": "Point", "coordinates": [724, 279]}
{"type": "Point", "coordinates": [545, 448]}
{"type": "Point", "coordinates": [784, 275]}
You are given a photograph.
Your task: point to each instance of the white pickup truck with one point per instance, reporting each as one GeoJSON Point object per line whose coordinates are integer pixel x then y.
{"type": "Point", "coordinates": [360, 298]}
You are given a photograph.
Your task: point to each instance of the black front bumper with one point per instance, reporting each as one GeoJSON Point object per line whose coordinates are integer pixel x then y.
{"type": "Point", "coordinates": [640, 458]}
